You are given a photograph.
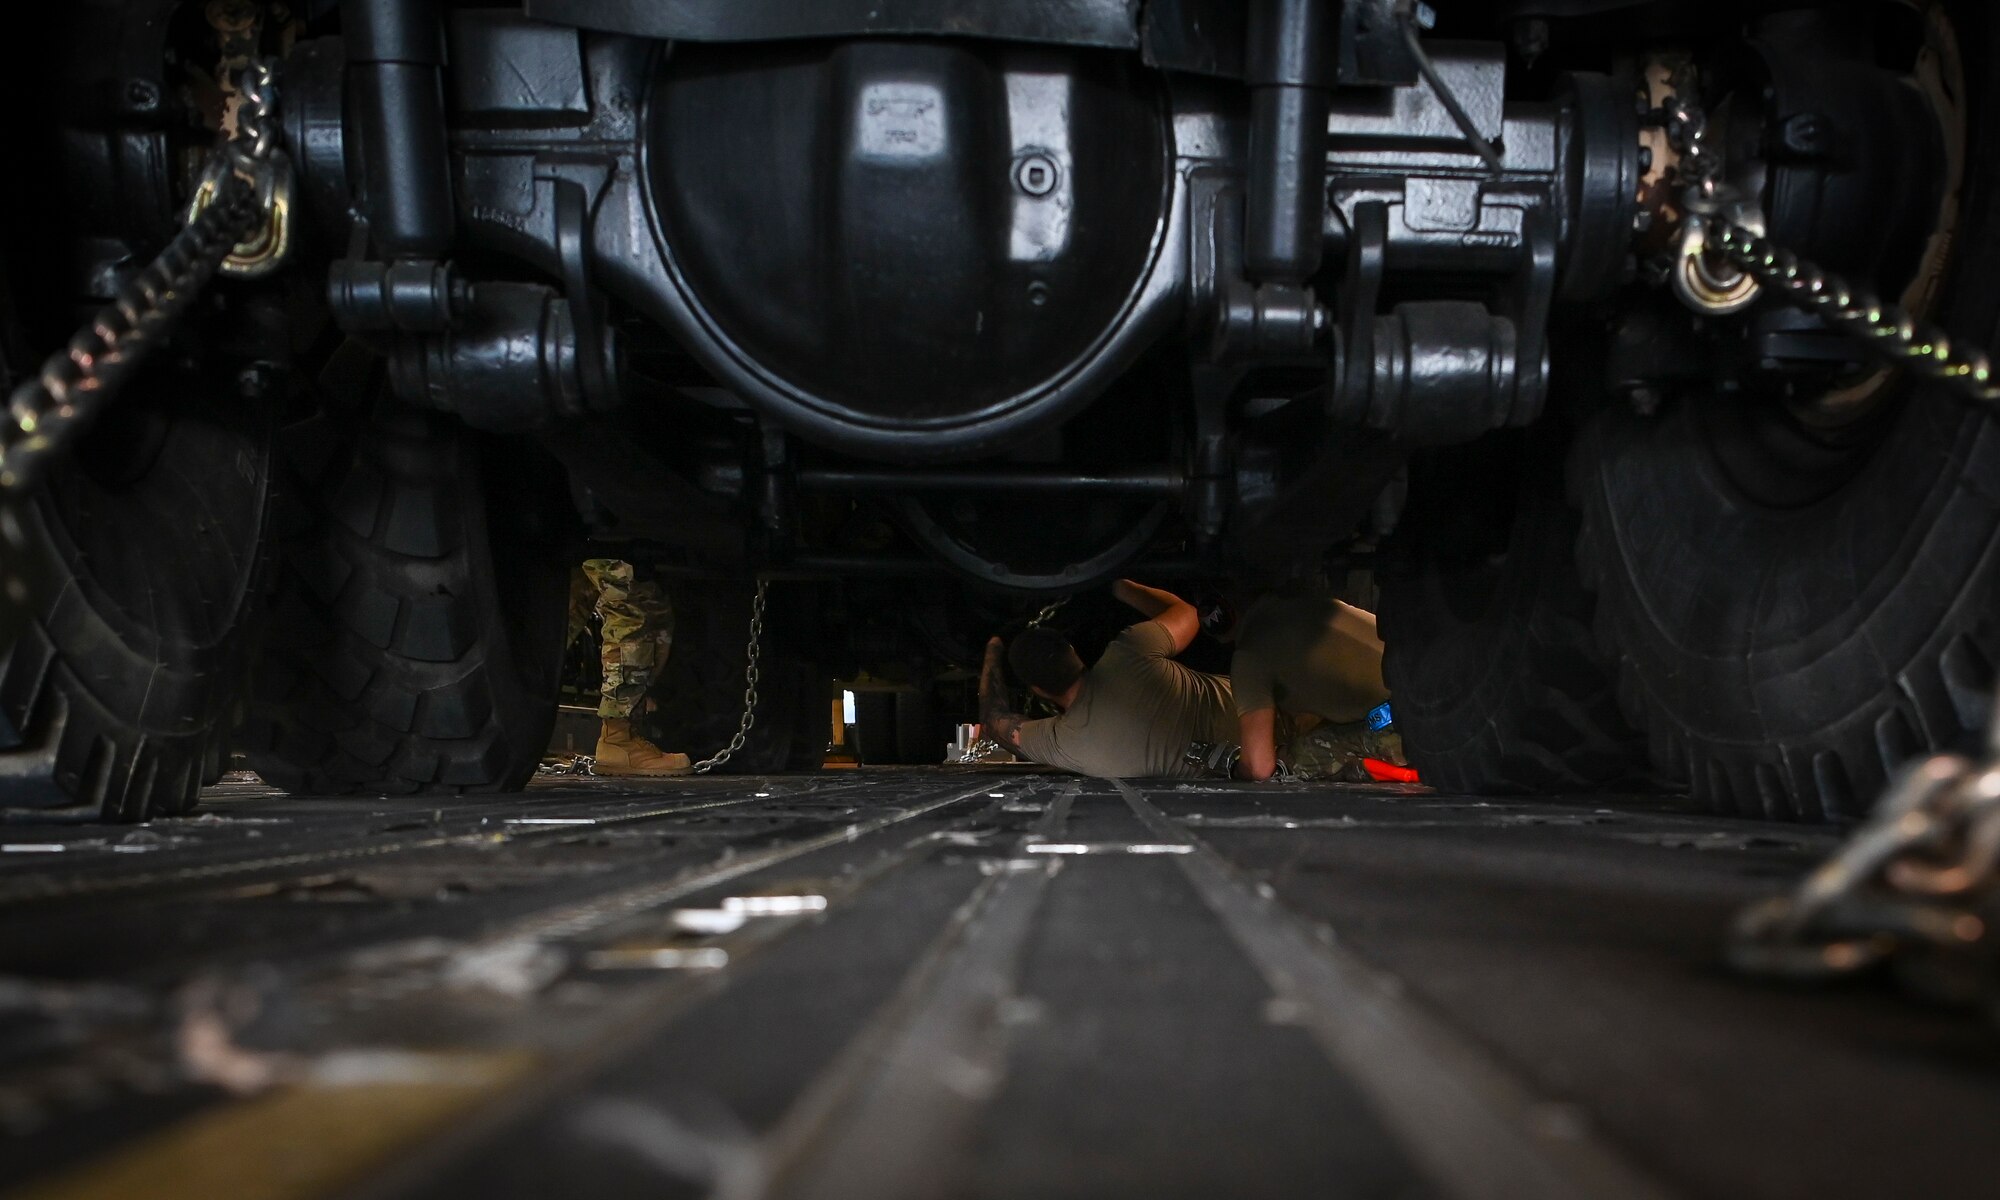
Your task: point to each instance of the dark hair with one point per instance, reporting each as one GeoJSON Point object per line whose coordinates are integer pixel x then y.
{"type": "Point", "coordinates": [1044, 659]}
{"type": "Point", "coordinates": [1217, 613]}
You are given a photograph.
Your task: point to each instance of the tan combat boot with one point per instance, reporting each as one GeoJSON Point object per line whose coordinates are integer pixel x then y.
{"type": "Point", "coordinates": [623, 752]}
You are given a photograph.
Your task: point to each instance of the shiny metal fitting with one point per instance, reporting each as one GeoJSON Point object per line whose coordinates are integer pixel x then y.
{"type": "Point", "coordinates": [270, 242]}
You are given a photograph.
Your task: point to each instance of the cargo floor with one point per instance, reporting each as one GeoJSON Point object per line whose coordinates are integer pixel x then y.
{"type": "Point", "coordinates": [943, 983]}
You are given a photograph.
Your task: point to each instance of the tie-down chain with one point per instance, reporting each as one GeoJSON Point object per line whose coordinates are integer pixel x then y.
{"type": "Point", "coordinates": [1914, 888]}
{"type": "Point", "coordinates": [238, 223]}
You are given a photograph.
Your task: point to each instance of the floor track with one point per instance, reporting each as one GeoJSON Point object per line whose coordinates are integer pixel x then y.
{"type": "Point", "coordinates": [926, 983]}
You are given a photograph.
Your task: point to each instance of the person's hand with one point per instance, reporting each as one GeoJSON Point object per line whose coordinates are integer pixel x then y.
{"type": "Point", "coordinates": [996, 716]}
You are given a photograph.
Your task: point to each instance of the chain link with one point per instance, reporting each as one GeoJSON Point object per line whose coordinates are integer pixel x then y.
{"type": "Point", "coordinates": [983, 750]}
{"type": "Point", "coordinates": [1687, 129]}
{"type": "Point", "coordinates": [1704, 281]}
{"type": "Point", "coordinates": [1047, 613]}
{"type": "Point", "coordinates": [256, 139]}
{"type": "Point", "coordinates": [750, 676]}
{"type": "Point", "coordinates": [47, 412]}
{"type": "Point", "coordinates": [254, 153]}
{"type": "Point", "coordinates": [1913, 890]}
{"type": "Point", "coordinates": [1895, 335]}
{"type": "Point", "coordinates": [1714, 228]}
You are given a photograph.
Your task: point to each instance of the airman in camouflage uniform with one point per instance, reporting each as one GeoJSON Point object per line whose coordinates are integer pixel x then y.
{"type": "Point", "coordinates": [638, 633]}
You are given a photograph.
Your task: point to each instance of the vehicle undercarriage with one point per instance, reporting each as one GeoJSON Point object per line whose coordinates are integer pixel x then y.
{"type": "Point", "coordinates": [925, 314]}
{"type": "Point", "coordinates": [1628, 357]}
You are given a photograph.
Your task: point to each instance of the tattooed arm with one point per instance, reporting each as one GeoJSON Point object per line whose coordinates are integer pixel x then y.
{"type": "Point", "coordinates": [1001, 722]}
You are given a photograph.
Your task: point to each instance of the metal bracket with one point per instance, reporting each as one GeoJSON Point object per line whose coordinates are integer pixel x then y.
{"type": "Point", "coordinates": [573, 206]}
{"type": "Point", "coordinates": [1268, 322]}
{"type": "Point", "coordinates": [1367, 252]}
{"type": "Point", "coordinates": [1373, 52]}
{"type": "Point", "coordinates": [268, 245]}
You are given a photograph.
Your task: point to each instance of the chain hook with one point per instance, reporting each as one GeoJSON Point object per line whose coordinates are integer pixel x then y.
{"type": "Point", "coordinates": [1702, 279]}
{"type": "Point", "coordinates": [52, 407]}
{"type": "Point", "coordinates": [253, 156]}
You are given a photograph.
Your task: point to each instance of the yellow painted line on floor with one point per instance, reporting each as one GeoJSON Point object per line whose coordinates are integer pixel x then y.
{"type": "Point", "coordinates": [300, 1142]}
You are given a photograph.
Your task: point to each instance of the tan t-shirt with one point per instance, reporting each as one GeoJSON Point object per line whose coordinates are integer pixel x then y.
{"type": "Point", "coordinates": [1138, 712]}
{"type": "Point", "coordinates": [1305, 652]}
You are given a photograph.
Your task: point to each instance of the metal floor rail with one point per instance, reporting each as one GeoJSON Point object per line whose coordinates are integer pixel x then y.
{"type": "Point", "coordinates": [944, 983]}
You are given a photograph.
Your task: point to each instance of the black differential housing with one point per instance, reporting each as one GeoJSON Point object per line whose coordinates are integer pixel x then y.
{"type": "Point", "coordinates": [936, 232]}
{"type": "Point", "coordinates": [911, 236]}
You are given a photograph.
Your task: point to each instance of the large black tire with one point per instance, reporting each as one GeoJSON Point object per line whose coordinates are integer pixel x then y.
{"type": "Point", "coordinates": [417, 638]}
{"type": "Point", "coordinates": [700, 693]}
{"type": "Point", "coordinates": [1784, 660]}
{"type": "Point", "coordinates": [151, 547]}
{"type": "Point", "coordinates": [1494, 679]}
{"type": "Point", "coordinates": [1796, 613]}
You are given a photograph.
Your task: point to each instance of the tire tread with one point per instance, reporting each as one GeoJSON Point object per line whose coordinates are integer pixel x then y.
{"type": "Point", "coordinates": [380, 673]}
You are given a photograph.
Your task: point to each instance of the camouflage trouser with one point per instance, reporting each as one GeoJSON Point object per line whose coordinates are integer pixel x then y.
{"type": "Point", "coordinates": [1330, 751]}
{"type": "Point", "coordinates": [638, 630]}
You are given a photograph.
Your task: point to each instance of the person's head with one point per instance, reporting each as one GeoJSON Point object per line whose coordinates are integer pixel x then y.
{"type": "Point", "coordinates": [1222, 607]}
{"type": "Point", "coordinates": [1218, 614]}
{"type": "Point", "coordinates": [1045, 661]}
